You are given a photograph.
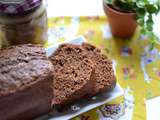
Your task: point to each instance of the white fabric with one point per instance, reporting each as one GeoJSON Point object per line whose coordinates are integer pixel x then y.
{"type": "Point", "coordinates": [153, 109]}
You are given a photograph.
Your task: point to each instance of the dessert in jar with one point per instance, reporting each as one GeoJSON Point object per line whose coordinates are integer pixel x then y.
{"type": "Point", "coordinates": [22, 22]}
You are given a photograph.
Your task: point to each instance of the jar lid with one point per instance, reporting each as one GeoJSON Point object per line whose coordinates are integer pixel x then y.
{"type": "Point", "coordinates": [18, 6]}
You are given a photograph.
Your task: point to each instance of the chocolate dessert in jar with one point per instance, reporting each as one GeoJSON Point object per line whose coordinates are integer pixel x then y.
{"type": "Point", "coordinates": [22, 22]}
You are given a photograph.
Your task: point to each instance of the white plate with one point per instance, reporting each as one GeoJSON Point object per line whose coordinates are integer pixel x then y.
{"type": "Point", "coordinates": [82, 105]}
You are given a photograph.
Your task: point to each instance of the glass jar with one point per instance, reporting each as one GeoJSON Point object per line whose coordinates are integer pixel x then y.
{"type": "Point", "coordinates": [26, 26]}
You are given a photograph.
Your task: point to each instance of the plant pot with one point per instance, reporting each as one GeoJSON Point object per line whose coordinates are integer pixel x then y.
{"type": "Point", "coordinates": [122, 24]}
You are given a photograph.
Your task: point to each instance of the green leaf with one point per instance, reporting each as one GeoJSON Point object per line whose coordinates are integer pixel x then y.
{"type": "Point", "coordinates": [151, 8]}
{"type": "Point", "coordinates": [143, 31]}
{"type": "Point", "coordinates": [140, 4]}
{"type": "Point", "coordinates": [141, 12]}
{"type": "Point", "coordinates": [140, 21]}
{"type": "Point", "coordinates": [151, 47]}
{"type": "Point", "coordinates": [109, 1]}
{"type": "Point", "coordinates": [149, 23]}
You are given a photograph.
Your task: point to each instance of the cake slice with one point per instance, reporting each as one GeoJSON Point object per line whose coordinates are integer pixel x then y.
{"type": "Point", "coordinates": [26, 80]}
{"type": "Point", "coordinates": [73, 74]}
{"type": "Point", "coordinates": [104, 74]}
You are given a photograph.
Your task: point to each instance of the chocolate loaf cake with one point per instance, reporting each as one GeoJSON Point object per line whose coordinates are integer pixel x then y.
{"type": "Point", "coordinates": [73, 74]}
{"type": "Point", "coordinates": [26, 80]}
{"type": "Point", "coordinates": [104, 74]}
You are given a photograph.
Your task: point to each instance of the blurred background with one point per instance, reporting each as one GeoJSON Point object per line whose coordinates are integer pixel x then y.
{"type": "Point", "coordinates": [75, 7]}
{"type": "Point", "coordinates": [84, 8]}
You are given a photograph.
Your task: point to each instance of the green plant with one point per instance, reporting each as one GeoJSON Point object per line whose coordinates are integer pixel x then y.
{"type": "Point", "coordinates": [144, 9]}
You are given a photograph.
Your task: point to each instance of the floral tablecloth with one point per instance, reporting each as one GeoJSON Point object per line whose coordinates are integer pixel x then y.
{"type": "Point", "coordinates": [138, 68]}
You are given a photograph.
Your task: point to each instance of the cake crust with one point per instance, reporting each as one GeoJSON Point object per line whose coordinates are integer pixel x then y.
{"type": "Point", "coordinates": [26, 81]}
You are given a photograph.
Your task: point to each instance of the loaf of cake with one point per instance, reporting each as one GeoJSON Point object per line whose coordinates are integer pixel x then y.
{"type": "Point", "coordinates": [104, 74]}
{"type": "Point", "coordinates": [74, 74]}
{"type": "Point", "coordinates": [26, 82]}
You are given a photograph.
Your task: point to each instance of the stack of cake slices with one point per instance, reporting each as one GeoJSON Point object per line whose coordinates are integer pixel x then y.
{"type": "Point", "coordinates": [81, 71]}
